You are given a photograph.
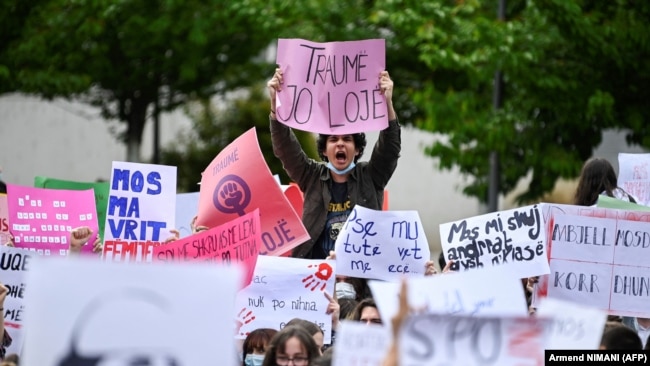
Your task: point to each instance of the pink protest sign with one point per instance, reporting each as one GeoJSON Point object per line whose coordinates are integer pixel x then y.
{"type": "Point", "coordinates": [41, 219]}
{"type": "Point", "coordinates": [238, 181]}
{"type": "Point", "coordinates": [235, 241]}
{"type": "Point", "coordinates": [4, 219]}
{"type": "Point", "coordinates": [332, 88]}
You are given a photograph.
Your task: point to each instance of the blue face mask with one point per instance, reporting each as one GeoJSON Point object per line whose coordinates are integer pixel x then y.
{"type": "Point", "coordinates": [254, 360]}
{"type": "Point", "coordinates": [341, 172]}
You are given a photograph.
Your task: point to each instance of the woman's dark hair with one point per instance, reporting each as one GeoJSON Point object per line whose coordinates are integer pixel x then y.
{"type": "Point", "coordinates": [365, 303]}
{"type": "Point", "coordinates": [597, 176]}
{"type": "Point", "coordinates": [359, 143]}
{"type": "Point", "coordinates": [310, 327]}
{"type": "Point", "coordinates": [279, 341]}
{"type": "Point", "coordinates": [621, 338]}
{"type": "Point", "coordinates": [346, 307]}
{"type": "Point", "coordinates": [257, 339]}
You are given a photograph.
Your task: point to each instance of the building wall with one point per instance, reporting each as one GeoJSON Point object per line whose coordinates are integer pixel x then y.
{"type": "Point", "coordinates": [68, 140]}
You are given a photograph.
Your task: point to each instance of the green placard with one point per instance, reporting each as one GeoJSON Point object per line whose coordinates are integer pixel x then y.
{"type": "Point", "coordinates": [610, 202]}
{"type": "Point", "coordinates": [101, 194]}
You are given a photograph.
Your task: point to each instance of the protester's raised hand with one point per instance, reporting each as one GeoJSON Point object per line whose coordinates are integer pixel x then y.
{"type": "Point", "coordinates": [98, 245]}
{"type": "Point", "coordinates": [386, 85]}
{"type": "Point", "coordinates": [398, 319]}
{"type": "Point", "coordinates": [79, 236]}
{"type": "Point", "coordinates": [333, 309]}
{"type": "Point", "coordinates": [11, 242]}
{"type": "Point", "coordinates": [175, 236]}
{"type": "Point", "coordinates": [274, 86]}
{"type": "Point", "coordinates": [3, 294]}
{"type": "Point", "coordinates": [429, 269]}
{"type": "Point", "coordinates": [447, 268]}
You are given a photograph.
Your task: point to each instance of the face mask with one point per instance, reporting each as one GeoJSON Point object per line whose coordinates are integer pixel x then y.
{"type": "Point", "coordinates": [253, 360]}
{"type": "Point", "coordinates": [341, 172]}
{"type": "Point", "coordinates": [345, 290]}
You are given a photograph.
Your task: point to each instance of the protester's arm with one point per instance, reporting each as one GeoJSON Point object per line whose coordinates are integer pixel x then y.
{"type": "Point", "coordinates": [78, 237]}
{"type": "Point", "coordinates": [383, 161]}
{"type": "Point", "coordinates": [11, 242]}
{"type": "Point", "coordinates": [286, 146]}
{"type": "Point", "coordinates": [392, 357]}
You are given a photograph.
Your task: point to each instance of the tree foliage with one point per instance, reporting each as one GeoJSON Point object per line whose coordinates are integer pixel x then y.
{"type": "Point", "coordinates": [127, 56]}
{"type": "Point", "coordinates": [571, 70]}
{"type": "Point", "coordinates": [214, 128]}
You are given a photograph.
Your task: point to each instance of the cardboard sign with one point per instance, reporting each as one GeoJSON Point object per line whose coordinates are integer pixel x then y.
{"type": "Point", "coordinates": [187, 205]}
{"type": "Point", "coordinates": [126, 313]}
{"type": "Point", "coordinates": [141, 210]}
{"type": "Point", "coordinates": [5, 235]}
{"type": "Point", "coordinates": [572, 326]}
{"type": "Point", "coordinates": [332, 88]}
{"type": "Point", "coordinates": [360, 344]}
{"type": "Point", "coordinates": [483, 292]}
{"type": "Point", "coordinates": [502, 238]}
{"type": "Point", "coordinates": [14, 264]}
{"type": "Point", "coordinates": [235, 242]}
{"type": "Point", "coordinates": [597, 258]}
{"type": "Point", "coordinates": [238, 181]}
{"type": "Point", "coordinates": [429, 339]}
{"type": "Point", "coordinates": [283, 289]}
{"type": "Point", "coordinates": [611, 202]}
{"type": "Point", "coordinates": [41, 219]}
{"type": "Point", "coordinates": [383, 245]}
{"type": "Point", "coordinates": [634, 176]}
{"type": "Point", "coordinates": [100, 188]}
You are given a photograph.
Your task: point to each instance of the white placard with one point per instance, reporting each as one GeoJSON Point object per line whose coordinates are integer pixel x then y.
{"type": "Point", "coordinates": [141, 210]}
{"type": "Point", "coordinates": [14, 264]}
{"type": "Point", "coordinates": [360, 344]}
{"type": "Point", "coordinates": [501, 238]}
{"type": "Point", "coordinates": [282, 289]}
{"type": "Point", "coordinates": [484, 292]}
{"type": "Point", "coordinates": [116, 313]}
{"type": "Point", "coordinates": [634, 176]}
{"type": "Point", "coordinates": [385, 245]}
{"type": "Point", "coordinates": [598, 258]}
{"type": "Point", "coordinates": [429, 339]}
{"type": "Point", "coordinates": [187, 206]}
{"type": "Point", "coordinates": [572, 326]}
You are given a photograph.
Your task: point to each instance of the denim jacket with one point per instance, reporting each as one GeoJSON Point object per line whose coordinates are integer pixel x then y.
{"type": "Point", "coordinates": [366, 182]}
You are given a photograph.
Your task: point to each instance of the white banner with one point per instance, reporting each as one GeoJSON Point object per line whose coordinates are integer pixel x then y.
{"type": "Point", "coordinates": [385, 245]}
{"type": "Point", "coordinates": [501, 238]}
{"type": "Point", "coordinates": [282, 289]}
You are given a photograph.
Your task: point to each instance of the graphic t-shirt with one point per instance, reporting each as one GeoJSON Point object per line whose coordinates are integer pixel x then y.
{"type": "Point", "coordinates": [337, 212]}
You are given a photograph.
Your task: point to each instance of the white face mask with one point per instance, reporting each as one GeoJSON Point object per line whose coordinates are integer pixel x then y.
{"type": "Point", "coordinates": [341, 172]}
{"type": "Point", "coordinates": [254, 360]}
{"type": "Point", "coordinates": [345, 290]}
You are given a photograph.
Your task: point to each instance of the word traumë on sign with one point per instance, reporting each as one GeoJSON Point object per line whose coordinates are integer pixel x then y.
{"type": "Point", "coordinates": [332, 85]}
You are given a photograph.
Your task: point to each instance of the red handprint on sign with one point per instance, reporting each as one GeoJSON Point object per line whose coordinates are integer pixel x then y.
{"type": "Point", "coordinates": [243, 318]}
{"type": "Point", "coordinates": [323, 273]}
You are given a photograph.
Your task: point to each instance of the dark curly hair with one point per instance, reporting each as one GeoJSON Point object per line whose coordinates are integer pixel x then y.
{"type": "Point", "coordinates": [359, 143]}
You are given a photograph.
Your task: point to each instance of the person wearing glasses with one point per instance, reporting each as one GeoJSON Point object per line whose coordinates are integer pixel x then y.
{"type": "Point", "coordinates": [291, 346]}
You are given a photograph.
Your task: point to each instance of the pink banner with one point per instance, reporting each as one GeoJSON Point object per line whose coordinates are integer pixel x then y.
{"type": "Point", "coordinates": [41, 219]}
{"type": "Point", "coordinates": [332, 88]}
{"type": "Point", "coordinates": [236, 241]}
{"type": "Point", "coordinates": [238, 181]}
{"type": "Point", "coordinates": [4, 219]}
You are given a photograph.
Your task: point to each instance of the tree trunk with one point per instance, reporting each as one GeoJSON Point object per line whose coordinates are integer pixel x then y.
{"type": "Point", "coordinates": [136, 120]}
